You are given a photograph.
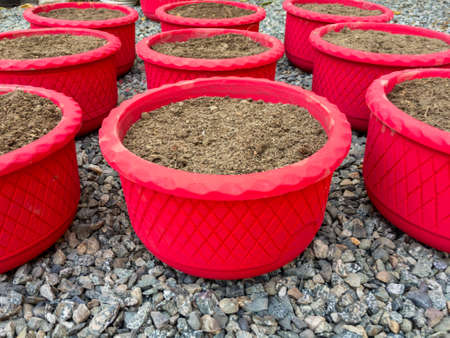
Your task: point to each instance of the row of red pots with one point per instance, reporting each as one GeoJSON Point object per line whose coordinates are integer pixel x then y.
{"type": "Point", "coordinates": [172, 210]}
{"type": "Point", "coordinates": [124, 27]}
{"type": "Point", "coordinates": [208, 203]}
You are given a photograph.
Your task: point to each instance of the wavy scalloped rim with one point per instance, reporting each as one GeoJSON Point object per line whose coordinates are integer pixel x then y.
{"type": "Point", "coordinates": [398, 120]}
{"type": "Point", "coordinates": [32, 15]}
{"type": "Point", "coordinates": [112, 47]}
{"type": "Point", "coordinates": [163, 15]}
{"type": "Point", "coordinates": [395, 60]}
{"type": "Point", "coordinates": [51, 142]}
{"type": "Point", "coordinates": [275, 52]}
{"type": "Point", "coordinates": [387, 14]}
{"type": "Point", "coordinates": [270, 183]}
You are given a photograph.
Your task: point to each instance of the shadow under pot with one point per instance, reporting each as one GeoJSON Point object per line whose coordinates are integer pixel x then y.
{"type": "Point", "coordinates": [303, 16]}
{"type": "Point", "coordinates": [214, 224]}
{"type": "Point", "coordinates": [210, 14]}
{"type": "Point", "coordinates": [39, 183]}
{"type": "Point", "coordinates": [79, 63]}
{"type": "Point", "coordinates": [188, 54]}
{"type": "Point", "coordinates": [350, 56]}
{"type": "Point", "coordinates": [113, 19]}
{"type": "Point", "coordinates": [407, 159]}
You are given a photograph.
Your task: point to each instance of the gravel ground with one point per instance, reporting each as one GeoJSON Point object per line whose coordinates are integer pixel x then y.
{"type": "Point", "coordinates": [360, 277]}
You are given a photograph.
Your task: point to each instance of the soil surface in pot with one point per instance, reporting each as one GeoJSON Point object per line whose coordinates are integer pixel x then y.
{"type": "Point", "coordinates": [384, 42]}
{"type": "Point", "coordinates": [338, 9]}
{"type": "Point", "coordinates": [221, 135]}
{"type": "Point", "coordinates": [222, 46]}
{"type": "Point", "coordinates": [48, 45]}
{"type": "Point", "coordinates": [207, 10]}
{"type": "Point", "coordinates": [427, 100]}
{"type": "Point", "coordinates": [82, 14]}
{"type": "Point", "coordinates": [24, 118]}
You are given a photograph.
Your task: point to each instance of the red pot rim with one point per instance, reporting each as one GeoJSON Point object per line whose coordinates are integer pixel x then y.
{"type": "Point", "coordinates": [32, 16]}
{"type": "Point", "coordinates": [225, 187]}
{"type": "Point", "coordinates": [387, 14]}
{"type": "Point", "coordinates": [395, 60]}
{"type": "Point", "coordinates": [162, 14]}
{"type": "Point", "coordinates": [398, 120]}
{"type": "Point", "coordinates": [110, 48]}
{"type": "Point", "coordinates": [275, 52]}
{"type": "Point", "coordinates": [56, 139]}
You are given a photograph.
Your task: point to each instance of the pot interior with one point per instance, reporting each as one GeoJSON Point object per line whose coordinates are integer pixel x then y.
{"type": "Point", "coordinates": [233, 89]}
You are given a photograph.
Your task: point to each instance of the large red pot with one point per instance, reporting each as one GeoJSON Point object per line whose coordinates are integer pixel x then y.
{"type": "Point", "coordinates": [301, 22]}
{"type": "Point", "coordinates": [226, 226]}
{"type": "Point", "coordinates": [161, 69]}
{"type": "Point", "coordinates": [343, 75]}
{"type": "Point", "coordinates": [123, 27]}
{"type": "Point", "coordinates": [407, 164]}
{"type": "Point", "coordinates": [248, 22]}
{"type": "Point", "coordinates": [39, 186]}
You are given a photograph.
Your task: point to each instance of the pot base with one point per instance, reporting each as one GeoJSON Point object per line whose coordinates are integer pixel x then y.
{"type": "Point", "coordinates": [305, 65]}
{"type": "Point", "coordinates": [413, 230]}
{"type": "Point", "coordinates": [25, 255]}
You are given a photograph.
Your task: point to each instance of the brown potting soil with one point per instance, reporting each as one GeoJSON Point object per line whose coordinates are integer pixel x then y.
{"type": "Point", "coordinates": [425, 99]}
{"type": "Point", "coordinates": [384, 42]}
{"type": "Point", "coordinates": [48, 45]}
{"type": "Point", "coordinates": [338, 9]}
{"type": "Point", "coordinates": [210, 10]}
{"type": "Point", "coordinates": [222, 46]}
{"type": "Point", "coordinates": [82, 14]}
{"type": "Point", "coordinates": [25, 118]}
{"type": "Point", "coordinates": [221, 135]}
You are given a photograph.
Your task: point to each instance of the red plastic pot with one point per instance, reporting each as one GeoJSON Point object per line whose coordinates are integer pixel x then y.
{"type": "Point", "coordinates": [300, 23]}
{"type": "Point", "coordinates": [123, 27]}
{"type": "Point", "coordinates": [343, 75]}
{"type": "Point", "coordinates": [39, 186]}
{"type": "Point", "coordinates": [249, 22]}
{"type": "Point", "coordinates": [149, 7]}
{"type": "Point", "coordinates": [407, 164]}
{"type": "Point", "coordinates": [162, 69]}
{"type": "Point", "coordinates": [89, 78]}
{"type": "Point", "coordinates": [226, 226]}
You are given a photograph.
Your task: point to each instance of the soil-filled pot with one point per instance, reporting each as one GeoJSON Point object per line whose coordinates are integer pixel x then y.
{"type": "Point", "coordinates": [39, 185]}
{"type": "Point", "coordinates": [246, 22]}
{"type": "Point", "coordinates": [226, 226]}
{"type": "Point", "coordinates": [122, 27]}
{"type": "Point", "coordinates": [89, 77]}
{"type": "Point", "coordinates": [301, 22]}
{"type": "Point", "coordinates": [149, 7]}
{"type": "Point", "coordinates": [406, 164]}
{"type": "Point", "coordinates": [162, 69]}
{"type": "Point", "coordinates": [343, 74]}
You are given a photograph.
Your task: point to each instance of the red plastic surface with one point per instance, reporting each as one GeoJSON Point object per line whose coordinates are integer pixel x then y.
{"type": "Point", "coordinates": [407, 164]}
{"type": "Point", "coordinates": [39, 186]}
{"type": "Point", "coordinates": [162, 69]}
{"type": "Point", "coordinates": [149, 7]}
{"type": "Point", "coordinates": [249, 22]}
{"type": "Point", "coordinates": [300, 23]}
{"type": "Point", "coordinates": [122, 27]}
{"type": "Point", "coordinates": [226, 226]}
{"type": "Point", "coordinates": [89, 78]}
{"type": "Point", "coordinates": [343, 75]}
